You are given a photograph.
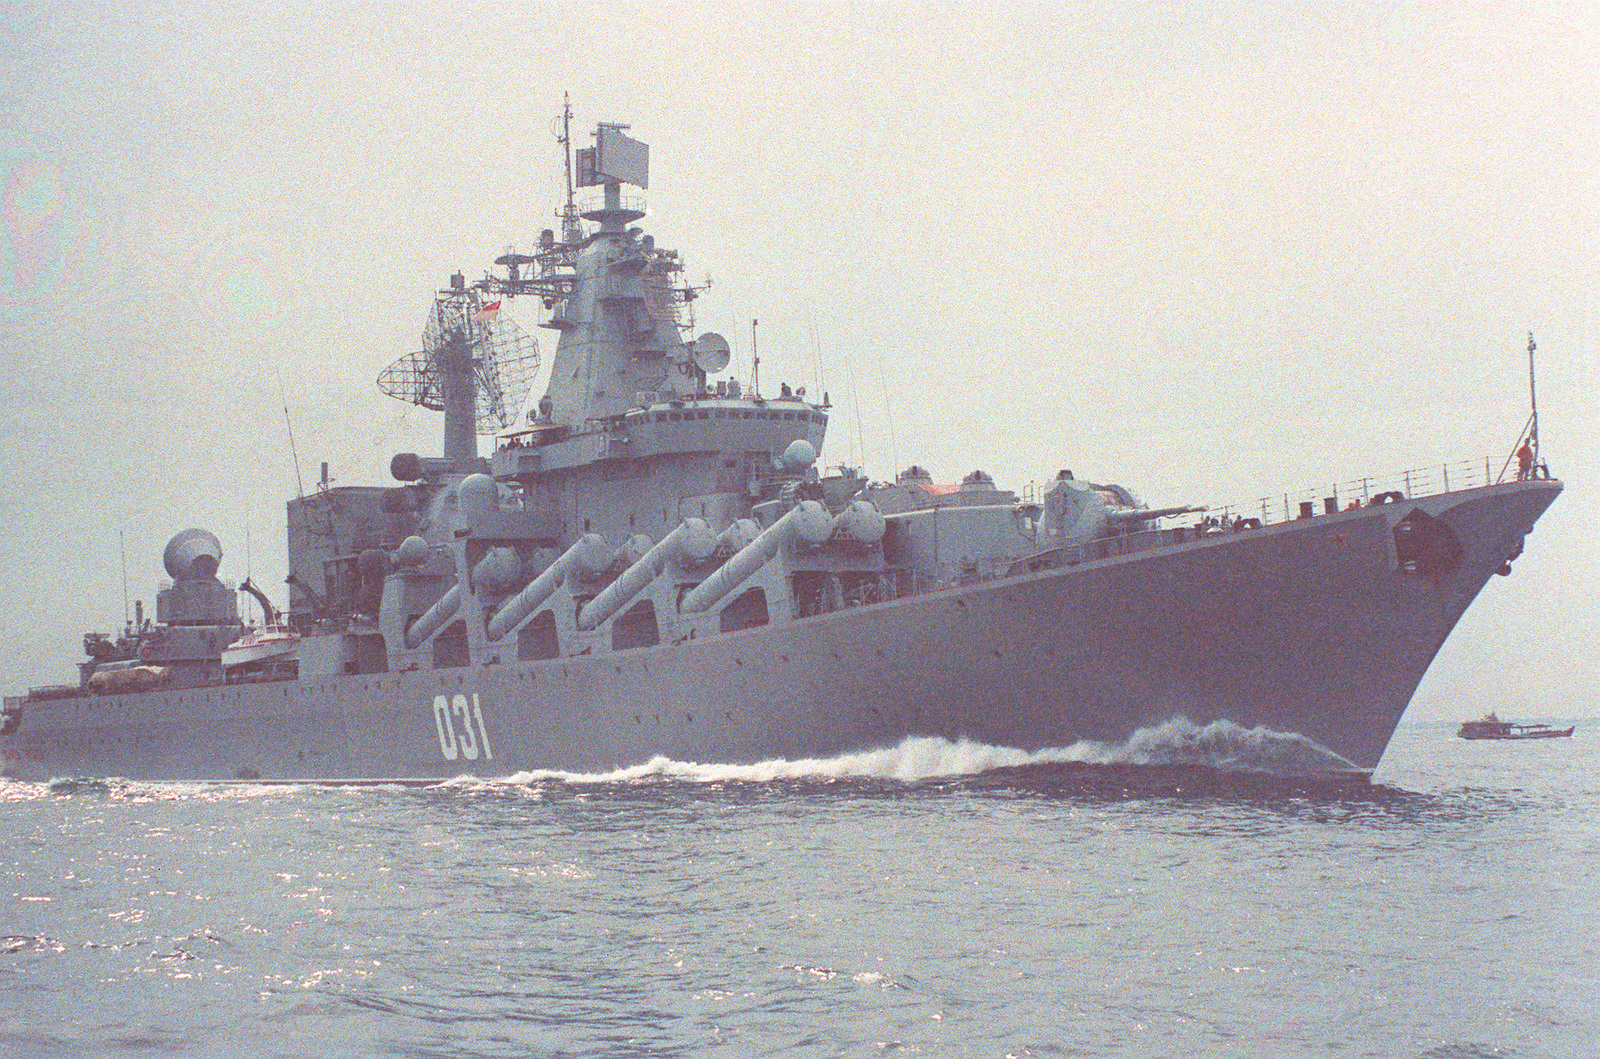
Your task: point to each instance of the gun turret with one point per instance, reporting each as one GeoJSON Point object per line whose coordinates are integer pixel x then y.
{"type": "Point", "coordinates": [1076, 511]}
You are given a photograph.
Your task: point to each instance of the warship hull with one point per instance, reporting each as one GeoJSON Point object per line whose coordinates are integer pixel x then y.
{"type": "Point", "coordinates": [1313, 627]}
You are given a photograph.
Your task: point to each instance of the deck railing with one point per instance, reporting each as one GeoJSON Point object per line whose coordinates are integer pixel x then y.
{"type": "Point", "coordinates": [1286, 507]}
{"type": "Point", "coordinates": [1411, 483]}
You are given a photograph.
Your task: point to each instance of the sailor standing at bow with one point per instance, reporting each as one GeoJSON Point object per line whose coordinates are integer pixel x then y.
{"type": "Point", "coordinates": [1525, 462]}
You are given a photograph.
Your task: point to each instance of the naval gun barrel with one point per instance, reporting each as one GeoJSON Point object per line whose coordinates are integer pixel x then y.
{"type": "Point", "coordinates": [692, 539]}
{"type": "Point", "coordinates": [807, 521]}
{"type": "Point", "coordinates": [1144, 514]}
{"type": "Point", "coordinates": [588, 552]}
{"type": "Point", "coordinates": [495, 569]}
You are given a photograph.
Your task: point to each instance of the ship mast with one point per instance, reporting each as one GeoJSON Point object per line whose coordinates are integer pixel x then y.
{"type": "Point", "coordinates": [1533, 399]}
{"type": "Point", "coordinates": [570, 232]}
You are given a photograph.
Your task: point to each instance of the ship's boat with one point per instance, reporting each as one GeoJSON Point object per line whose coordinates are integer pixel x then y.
{"type": "Point", "coordinates": [270, 643]}
{"type": "Point", "coordinates": [650, 560]}
{"type": "Point", "coordinates": [269, 651]}
{"type": "Point", "coordinates": [1490, 726]}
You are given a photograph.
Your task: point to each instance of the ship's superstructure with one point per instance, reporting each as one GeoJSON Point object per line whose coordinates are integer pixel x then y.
{"type": "Point", "coordinates": [650, 560]}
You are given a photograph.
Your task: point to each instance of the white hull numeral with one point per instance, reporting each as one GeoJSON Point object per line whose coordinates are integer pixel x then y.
{"type": "Point", "coordinates": [462, 733]}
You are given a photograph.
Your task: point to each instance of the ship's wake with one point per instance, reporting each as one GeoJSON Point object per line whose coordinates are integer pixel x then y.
{"type": "Point", "coordinates": [1220, 746]}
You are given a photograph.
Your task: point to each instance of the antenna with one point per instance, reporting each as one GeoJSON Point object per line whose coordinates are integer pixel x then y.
{"type": "Point", "coordinates": [888, 414]}
{"type": "Point", "coordinates": [755, 367]}
{"type": "Point", "coordinates": [122, 546]}
{"type": "Point", "coordinates": [299, 482]}
{"type": "Point", "coordinates": [816, 355]}
{"type": "Point", "coordinates": [569, 212]}
{"type": "Point", "coordinates": [710, 352]}
{"type": "Point", "coordinates": [476, 366]}
{"type": "Point", "coordinates": [855, 401]}
{"type": "Point", "coordinates": [264, 621]}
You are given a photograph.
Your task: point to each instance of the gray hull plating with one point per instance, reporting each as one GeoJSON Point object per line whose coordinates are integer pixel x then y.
{"type": "Point", "coordinates": [1308, 627]}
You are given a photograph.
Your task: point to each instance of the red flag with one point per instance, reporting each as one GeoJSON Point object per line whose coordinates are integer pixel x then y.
{"type": "Point", "coordinates": [487, 313]}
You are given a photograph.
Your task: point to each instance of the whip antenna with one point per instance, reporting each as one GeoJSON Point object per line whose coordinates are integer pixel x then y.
{"type": "Point", "coordinates": [122, 546]}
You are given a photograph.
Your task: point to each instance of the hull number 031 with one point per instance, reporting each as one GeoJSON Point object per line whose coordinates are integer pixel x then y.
{"type": "Point", "coordinates": [459, 721]}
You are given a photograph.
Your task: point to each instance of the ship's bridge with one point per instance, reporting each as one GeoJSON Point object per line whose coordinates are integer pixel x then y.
{"type": "Point", "coordinates": [660, 428]}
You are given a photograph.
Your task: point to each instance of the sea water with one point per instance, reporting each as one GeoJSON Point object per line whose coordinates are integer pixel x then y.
{"type": "Point", "coordinates": [1183, 895]}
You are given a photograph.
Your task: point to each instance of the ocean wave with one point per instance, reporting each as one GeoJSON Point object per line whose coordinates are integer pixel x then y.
{"type": "Point", "coordinates": [1221, 745]}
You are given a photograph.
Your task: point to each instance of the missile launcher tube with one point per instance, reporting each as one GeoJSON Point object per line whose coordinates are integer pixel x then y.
{"type": "Point", "coordinates": [738, 534]}
{"type": "Point", "coordinates": [692, 539]}
{"type": "Point", "coordinates": [588, 552]}
{"type": "Point", "coordinates": [495, 568]}
{"type": "Point", "coordinates": [435, 617]}
{"type": "Point", "coordinates": [861, 522]}
{"type": "Point", "coordinates": [807, 522]}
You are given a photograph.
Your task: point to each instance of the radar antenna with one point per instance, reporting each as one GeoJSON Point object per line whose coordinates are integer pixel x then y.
{"type": "Point", "coordinates": [476, 365]}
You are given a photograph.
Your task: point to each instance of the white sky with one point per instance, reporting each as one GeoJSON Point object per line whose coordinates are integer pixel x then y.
{"type": "Point", "coordinates": [1211, 252]}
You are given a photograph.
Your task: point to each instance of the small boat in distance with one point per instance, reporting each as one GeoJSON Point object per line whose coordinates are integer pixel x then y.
{"type": "Point", "coordinates": [1492, 727]}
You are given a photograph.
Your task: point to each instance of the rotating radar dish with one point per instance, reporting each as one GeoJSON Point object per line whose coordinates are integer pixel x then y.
{"type": "Point", "coordinates": [711, 353]}
{"type": "Point", "coordinates": [467, 341]}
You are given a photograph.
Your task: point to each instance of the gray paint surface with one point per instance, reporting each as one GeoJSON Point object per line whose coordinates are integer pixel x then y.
{"type": "Point", "coordinates": [1305, 627]}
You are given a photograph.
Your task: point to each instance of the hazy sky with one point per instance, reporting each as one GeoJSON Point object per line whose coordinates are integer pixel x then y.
{"type": "Point", "coordinates": [1212, 252]}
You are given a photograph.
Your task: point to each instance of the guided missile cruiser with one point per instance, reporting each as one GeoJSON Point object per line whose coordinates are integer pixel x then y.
{"type": "Point", "coordinates": [650, 559]}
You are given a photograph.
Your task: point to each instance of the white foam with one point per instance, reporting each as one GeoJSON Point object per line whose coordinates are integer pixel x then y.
{"type": "Point", "coordinates": [1221, 745]}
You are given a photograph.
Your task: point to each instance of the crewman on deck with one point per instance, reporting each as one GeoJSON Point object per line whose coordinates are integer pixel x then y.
{"type": "Point", "coordinates": [1525, 462]}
